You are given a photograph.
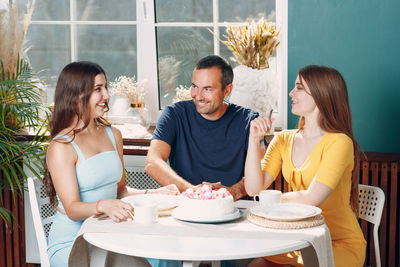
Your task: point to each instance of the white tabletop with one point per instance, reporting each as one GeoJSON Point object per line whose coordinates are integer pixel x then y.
{"type": "Point", "coordinates": [191, 248]}
{"type": "Point", "coordinates": [172, 239]}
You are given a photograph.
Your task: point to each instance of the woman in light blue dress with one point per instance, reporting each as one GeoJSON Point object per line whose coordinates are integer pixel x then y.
{"type": "Point", "coordinates": [84, 160]}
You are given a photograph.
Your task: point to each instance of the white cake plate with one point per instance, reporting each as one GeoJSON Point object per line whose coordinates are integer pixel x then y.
{"type": "Point", "coordinates": [177, 214]}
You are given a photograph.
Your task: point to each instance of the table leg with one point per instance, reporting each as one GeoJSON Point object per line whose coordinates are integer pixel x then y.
{"type": "Point", "coordinates": [197, 263]}
{"type": "Point", "coordinates": [309, 257]}
{"type": "Point", "coordinates": [190, 263]}
{"type": "Point", "coordinates": [97, 256]}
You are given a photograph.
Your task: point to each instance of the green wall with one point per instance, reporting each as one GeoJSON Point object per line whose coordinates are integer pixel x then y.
{"type": "Point", "coordinates": [360, 38]}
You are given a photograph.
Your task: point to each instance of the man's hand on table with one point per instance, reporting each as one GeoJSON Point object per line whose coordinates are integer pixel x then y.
{"type": "Point", "coordinates": [234, 190]}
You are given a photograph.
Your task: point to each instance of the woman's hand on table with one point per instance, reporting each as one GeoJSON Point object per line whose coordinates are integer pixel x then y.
{"type": "Point", "coordinates": [116, 209]}
{"type": "Point", "coordinates": [170, 189]}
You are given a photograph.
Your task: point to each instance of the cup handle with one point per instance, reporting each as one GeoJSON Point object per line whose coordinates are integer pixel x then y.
{"type": "Point", "coordinates": [255, 197]}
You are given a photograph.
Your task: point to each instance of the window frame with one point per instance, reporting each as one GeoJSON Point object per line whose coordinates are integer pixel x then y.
{"type": "Point", "coordinates": [147, 67]}
{"type": "Point", "coordinates": [147, 53]}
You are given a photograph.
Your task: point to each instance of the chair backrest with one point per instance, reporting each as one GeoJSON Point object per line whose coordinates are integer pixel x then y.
{"type": "Point", "coordinates": [371, 200]}
{"type": "Point", "coordinates": [42, 215]}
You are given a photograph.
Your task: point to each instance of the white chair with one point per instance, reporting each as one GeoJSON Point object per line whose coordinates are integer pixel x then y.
{"type": "Point", "coordinates": [371, 200]}
{"type": "Point", "coordinates": [42, 215]}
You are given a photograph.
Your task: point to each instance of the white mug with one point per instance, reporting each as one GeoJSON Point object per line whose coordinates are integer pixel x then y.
{"type": "Point", "coordinates": [145, 212]}
{"type": "Point", "coordinates": [268, 196]}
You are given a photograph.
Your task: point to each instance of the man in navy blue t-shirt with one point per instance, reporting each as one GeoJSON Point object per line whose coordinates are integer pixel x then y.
{"type": "Point", "coordinates": [204, 139]}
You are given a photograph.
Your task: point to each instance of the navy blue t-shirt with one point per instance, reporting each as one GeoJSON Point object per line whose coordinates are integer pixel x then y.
{"type": "Point", "coordinates": [205, 150]}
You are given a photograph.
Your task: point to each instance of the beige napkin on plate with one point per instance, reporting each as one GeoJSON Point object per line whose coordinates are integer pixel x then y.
{"type": "Point", "coordinates": [165, 212]}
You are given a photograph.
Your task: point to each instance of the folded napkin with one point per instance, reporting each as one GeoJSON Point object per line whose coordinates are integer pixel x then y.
{"type": "Point", "coordinates": [165, 212]}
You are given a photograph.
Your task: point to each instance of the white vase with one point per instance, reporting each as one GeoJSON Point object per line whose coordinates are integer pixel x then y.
{"type": "Point", "coordinates": [255, 89]}
{"type": "Point", "coordinates": [119, 106]}
{"type": "Point", "coordinates": [138, 114]}
{"type": "Point", "coordinates": [122, 112]}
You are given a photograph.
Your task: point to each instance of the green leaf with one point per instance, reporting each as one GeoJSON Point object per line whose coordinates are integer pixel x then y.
{"type": "Point", "coordinates": [5, 215]}
{"type": "Point", "coordinates": [21, 107]}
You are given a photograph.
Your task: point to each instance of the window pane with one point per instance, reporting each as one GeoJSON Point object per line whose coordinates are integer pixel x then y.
{"type": "Point", "coordinates": [106, 10]}
{"type": "Point", "coordinates": [179, 49]}
{"type": "Point", "coordinates": [47, 9]}
{"type": "Point", "coordinates": [48, 55]}
{"type": "Point", "coordinates": [184, 11]}
{"type": "Point", "coordinates": [113, 47]}
{"type": "Point", "coordinates": [240, 11]}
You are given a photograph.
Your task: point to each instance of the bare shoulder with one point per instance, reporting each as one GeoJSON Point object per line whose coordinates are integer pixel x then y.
{"type": "Point", "coordinates": [59, 145]}
{"type": "Point", "coordinates": [116, 132]}
{"type": "Point", "coordinates": [118, 138]}
{"type": "Point", "coordinates": [60, 150]}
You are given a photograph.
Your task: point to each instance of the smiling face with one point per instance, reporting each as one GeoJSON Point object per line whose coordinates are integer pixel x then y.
{"type": "Point", "coordinates": [99, 96]}
{"type": "Point", "coordinates": [303, 103]}
{"type": "Point", "coordinates": [208, 94]}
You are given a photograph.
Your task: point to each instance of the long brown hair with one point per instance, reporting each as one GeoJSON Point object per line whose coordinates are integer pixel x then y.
{"type": "Point", "coordinates": [73, 90]}
{"type": "Point", "coordinates": [329, 91]}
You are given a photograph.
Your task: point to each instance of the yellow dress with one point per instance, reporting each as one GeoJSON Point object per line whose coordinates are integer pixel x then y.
{"type": "Point", "coordinates": [331, 162]}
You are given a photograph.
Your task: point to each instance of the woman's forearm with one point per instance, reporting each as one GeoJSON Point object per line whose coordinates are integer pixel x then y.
{"type": "Point", "coordinates": [315, 195]}
{"type": "Point", "coordinates": [253, 181]}
{"type": "Point", "coordinates": [79, 210]}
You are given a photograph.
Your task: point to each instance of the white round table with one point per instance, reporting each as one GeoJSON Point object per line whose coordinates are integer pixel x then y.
{"type": "Point", "coordinates": [209, 246]}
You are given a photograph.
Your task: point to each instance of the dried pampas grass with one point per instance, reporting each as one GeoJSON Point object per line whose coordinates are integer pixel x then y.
{"type": "Point", "coordinates": [253, 43]}
{"type": "Point", "coordinates": [12, 32]}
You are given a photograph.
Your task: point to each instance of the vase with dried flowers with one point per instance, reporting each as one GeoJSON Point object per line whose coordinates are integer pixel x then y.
{"type": "Point", "coordinates": [128, 105]}
{"type": "Point", "coordinates": [255, 84]}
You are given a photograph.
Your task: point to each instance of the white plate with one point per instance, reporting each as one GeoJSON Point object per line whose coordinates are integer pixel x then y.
{"type": "Point", "coordinates": [164, 202]}
{"type": "Point", "coordinates": [225, 218]}
{"type": "Point", "coordinates": [285, 211]}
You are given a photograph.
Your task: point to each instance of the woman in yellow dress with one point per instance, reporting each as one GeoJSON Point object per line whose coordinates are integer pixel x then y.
{"type": "Point", "coordinates": [317, 160]}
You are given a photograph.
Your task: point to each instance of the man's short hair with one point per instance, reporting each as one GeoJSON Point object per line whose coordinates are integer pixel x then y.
{"type": "Point", "coordinates": [217, 61]}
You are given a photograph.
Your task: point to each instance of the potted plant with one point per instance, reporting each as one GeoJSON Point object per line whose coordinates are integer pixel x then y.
{"type": "Point", "coordinates": [21, 109]}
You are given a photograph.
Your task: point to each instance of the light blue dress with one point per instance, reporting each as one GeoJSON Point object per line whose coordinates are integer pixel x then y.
{"type": "Point", "coordinates": [97, 177]}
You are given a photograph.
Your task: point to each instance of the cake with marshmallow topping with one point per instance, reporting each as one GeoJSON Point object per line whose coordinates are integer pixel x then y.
{"type": "Point", "coordinates": [203, 202]}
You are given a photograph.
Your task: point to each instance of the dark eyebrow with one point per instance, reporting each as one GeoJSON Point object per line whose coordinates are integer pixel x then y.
{"type": "Point", "coordinates": [207, 87]}
{"type": "Point", "coordinates": [299, 84]}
